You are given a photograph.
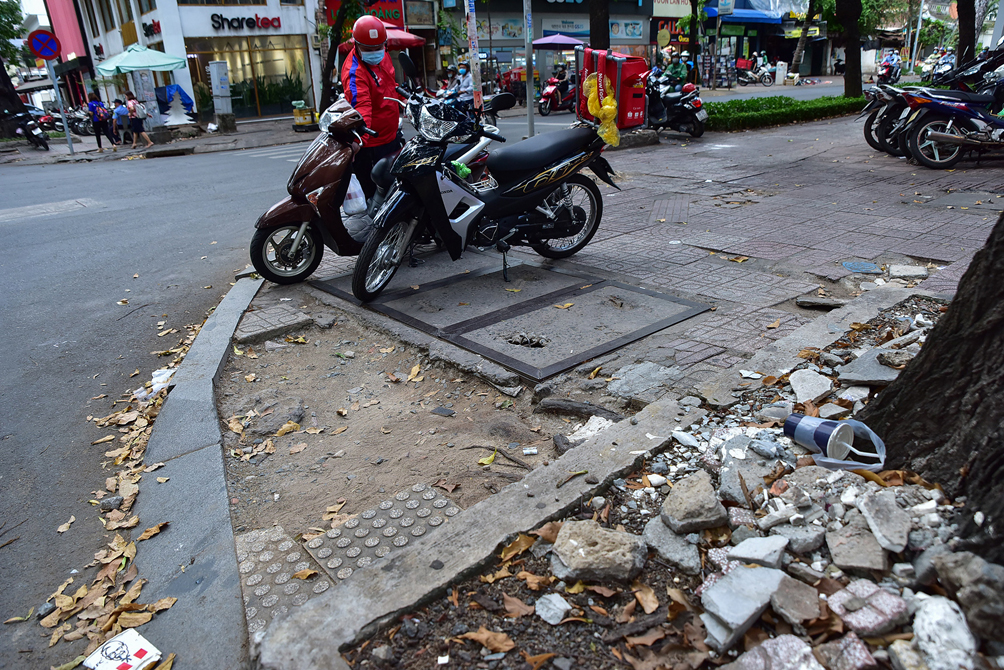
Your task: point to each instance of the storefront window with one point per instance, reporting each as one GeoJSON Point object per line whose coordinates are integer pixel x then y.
{"type": "Point", "coordinates": [146, 6]}
{"type": "Point", "coordinates": [125, 10]}
{"type": "Point", "coordinates": [222, 2]}
{"type": "Point", "coordinates": [89, 13]}
{"type": "Point", "coordinates": [267, 73]}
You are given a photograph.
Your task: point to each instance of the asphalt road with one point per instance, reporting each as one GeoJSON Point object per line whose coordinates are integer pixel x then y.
{"type": "Point", "coordinates": [85, 230]}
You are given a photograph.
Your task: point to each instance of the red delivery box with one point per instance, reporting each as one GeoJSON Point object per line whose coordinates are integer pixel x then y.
{"type": "Point", "coordinates": [629, 71]}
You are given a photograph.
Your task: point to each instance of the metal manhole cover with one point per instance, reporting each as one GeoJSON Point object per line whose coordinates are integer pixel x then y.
{"type": "Point", "coordinates": [575, 315]}
{"type": "Point", "coordinates": [393, 524]}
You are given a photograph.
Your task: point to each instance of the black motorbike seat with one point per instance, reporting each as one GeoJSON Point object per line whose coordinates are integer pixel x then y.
{"type": "Point", "coordinates": [672, 98]}
{"type": "Point", "coordinates": [963, 96]}
{"type": "Point", "coordinates": [380, 174]}
{"type": "Point", "coordinates": [509, 163]}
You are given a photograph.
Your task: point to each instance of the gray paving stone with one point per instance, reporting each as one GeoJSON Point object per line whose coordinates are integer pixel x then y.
{"type": "Point", "coordinates": [272, 321]}
{"type": "Point", "coordinates": [880, 613]}
{"type": "Point", "coordinates": [672, 548]}
{"type": "Point", "coordinates": [801, 539]}
{"type": "Point", "coordinates": [855, 548]}
{"type": "Point", "coordinates": [795, 601]}
{"type": "Point", "coordinates": [692, 505]}
{"type": "Point", "coordinates": [889, 523]}
{"type": "Point", "coordinates": [737, 600]}
{"type": "Point", "coordinates": [765, 551]}
{"type": "Point", "coordinates": [784, 652]}
{"type": "Point", "coordinates": [866, 370]}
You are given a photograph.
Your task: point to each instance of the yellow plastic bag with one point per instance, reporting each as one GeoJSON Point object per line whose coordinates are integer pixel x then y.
{"type": "Point", "coordinates": [605, 112]}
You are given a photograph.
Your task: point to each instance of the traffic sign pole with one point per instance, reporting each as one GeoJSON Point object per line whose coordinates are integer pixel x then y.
{"type": "Point", "coordinates": [59, 103]}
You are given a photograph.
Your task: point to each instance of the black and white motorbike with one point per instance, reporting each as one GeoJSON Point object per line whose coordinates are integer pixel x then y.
{"type": "Point", "coordinates": [27, 127]}
{"type": "Point", "coordinates": [530, 195]}
{"type": "Point", "coordinates": [681, 111]}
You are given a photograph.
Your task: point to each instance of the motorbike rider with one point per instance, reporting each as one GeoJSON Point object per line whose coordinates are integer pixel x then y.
{"type": "Point", "coordinates": [677, 72]}
{"type": "Point", "coordinates": [465, 85]}
{"type": "Point", "coordinates": [562, 76]}
{"type": "Point", "coordinates": [369, 85]}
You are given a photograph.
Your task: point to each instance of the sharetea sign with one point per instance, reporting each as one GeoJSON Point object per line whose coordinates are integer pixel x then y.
{"type": "Point", "coordinates": [221, 22]}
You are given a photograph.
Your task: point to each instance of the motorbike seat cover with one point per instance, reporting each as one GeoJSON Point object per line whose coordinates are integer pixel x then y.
{"type": "Point", "coordinates": [672, 97]}
{"type": "Point", "coordinates": [381, 171]}
{"type": "Point", "coordinates": [963, 96]}
{"type": "Point", "coordinates": [510, 163]}
{"type": "Point", "coordinates": [455, 150]}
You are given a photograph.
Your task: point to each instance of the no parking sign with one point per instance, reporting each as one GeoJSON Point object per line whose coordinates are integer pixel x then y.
{"type": "Point", "coordinates": [43, 44]}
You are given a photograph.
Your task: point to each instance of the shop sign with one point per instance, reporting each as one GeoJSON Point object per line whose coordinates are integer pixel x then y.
{"type": "Point", "coordinates": [626, 30]}
{"type": "Point", "coordinates": [568, 1]}
{"type": "Point", "coordinates": [221, 22]}
{"type": "Point", "coordinates": [657, 26]}
{"type": "Point", "coordinates": [796, 33]}
{"type": "Point", "coordinates": [419, 13]}
{"type": "Point", "coordinates": [671, 8]}
{"type": "Point", "coordinates": [501, 29]}
{"type": "Point", "coordinates": [391, 11]}
{"type": "Point", "coordinates": [732, 30]}
{"type": "Point", "coordinates": [725, 7]}
{"type": "Point", "coordinates": [620, 30]}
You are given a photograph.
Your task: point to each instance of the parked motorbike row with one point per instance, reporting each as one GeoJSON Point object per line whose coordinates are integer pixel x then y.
{"type": "Point", "coordinates": [531, 194]}
{"type": "Point", "coordinates": [938, 127]}
{"type": "Point", "coordinates": [79, 119]}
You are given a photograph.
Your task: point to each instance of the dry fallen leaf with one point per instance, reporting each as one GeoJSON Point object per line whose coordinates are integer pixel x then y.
{"type": "Point", "coordinates": [488, 460]}
{"type": "Point", "coordinates": [501, 574]}
{"type": "Point", "coordinates": [514, 290]}
{"type": "Point", "coordinates": [163, 480]}
{"type": "Point", "coordinates": [133, 619]}
{"type": "Point", "coordinates": [549, 531]}
{"type": "Point", "coordinates": [537, 661]}
{"type": "Point", "coordinates": [565, 306]}
{"type": "Point", "coordinates": [576, 588]}
{"type": "Point", "coordinates": [168, 662]}
{"type": "Point", "coordinates": [604, 591]}
{"type": "Point", "coordinates": [251, 377]}
{"type": "Point", "coordinates": [313, 431]}
{"type": "Point", "coordinates": [414, 372]}
{"type": "Point", "coordinates": [514, 607]}
{"type": "Point", "coordinates": [66, 526]}
{"type": "Point", "coordinates": [288, 427]}
{"type": "Point", "coordinates": [775, 324]}
{"type": "Point", "coordinates": [534, 582]}
{"type": "Point", "coordinates": [297, 448]}
{"type": "Point", "coordinates": [306, 573]}
{"type": "Point", "coordinates": [106, 438]}
{"type": "Point", "coordinates": [739, 259]}
{"type": "Point", "coordinates": [16, 619]}
{"type": "Point", "coordinates": [152, 530]}
{"type": "Point", "coordinates": [645, 596]}
{"type": "Point", "coordinates": [494, 642]}
{"type": "Point", "coordinates": [296, 340]}
{"type": "Point", "coordinates": [235, 425]}
{"type": "Point", "coordinates": [162, 604]}
{"type": "Point", "coordinates": [340, 430]}
{"type": "Point", "coordinates": [596, 371]}
{"type": "Point", "coordinates": [517, 546]}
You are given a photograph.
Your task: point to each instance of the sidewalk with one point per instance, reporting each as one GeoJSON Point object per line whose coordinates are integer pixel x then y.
{"type": "Point", "coordinates": [249, 135]}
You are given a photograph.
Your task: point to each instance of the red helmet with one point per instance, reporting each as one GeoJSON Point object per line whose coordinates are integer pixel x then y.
{"type": "Point", "coordinates": [369, 31]}
{"type": "Point", "coordinates": [689, 88]}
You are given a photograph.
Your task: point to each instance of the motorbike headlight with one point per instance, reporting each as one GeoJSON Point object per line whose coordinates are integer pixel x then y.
{"type": "Point", "coordinates": [433, 129]}
{"type": "Point", "coordinates": [327, 118]}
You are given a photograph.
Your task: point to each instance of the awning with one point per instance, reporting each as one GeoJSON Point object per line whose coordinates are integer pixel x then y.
{"type": "Point", "coordinates": [137, 57]}
{"type": "Point", "coordinates": [36, 85]}
{"type": "Point", "coordinates": [743, 16]}
{"type": "Point", "coordinates": [79, 62]}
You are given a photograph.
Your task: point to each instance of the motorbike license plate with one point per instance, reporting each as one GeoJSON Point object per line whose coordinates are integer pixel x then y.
{"type": "Point", "coordinates": [702, 115]}
{"type": "Point", "coordinates": [36, 131]}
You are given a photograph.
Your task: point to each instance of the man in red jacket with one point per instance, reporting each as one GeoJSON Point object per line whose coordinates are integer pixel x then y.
{"type": "Point", "coordinates": [369, 85]}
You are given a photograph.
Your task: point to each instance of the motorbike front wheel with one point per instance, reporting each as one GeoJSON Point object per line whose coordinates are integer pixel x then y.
{"type": "Point", "coordinates": [580, 199]}
{"type": "Point", "coordinates": [380, 258]}
{"type": "Point", "coordinates": [935, 155]}
{"type": "Point", "coordinates": [766, 80]}
{"type": "Point", "coordinates": [871, 129]}
{"type": "Point", "coordinates": [889, 145]}
{"type": "Point", "coordinates": [272, 257]}
{"type": "Point", "coordinates": [545, 107]}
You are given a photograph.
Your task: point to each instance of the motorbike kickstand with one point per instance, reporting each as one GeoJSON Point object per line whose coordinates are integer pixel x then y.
{"type": "Point", "coordinates": [412, 261]}
{"type": "Point", "coordinates": [504, 247]}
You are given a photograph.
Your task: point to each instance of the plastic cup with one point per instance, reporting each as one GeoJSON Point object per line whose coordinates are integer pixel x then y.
{"type": "Point", "coordinates": [833, 438]}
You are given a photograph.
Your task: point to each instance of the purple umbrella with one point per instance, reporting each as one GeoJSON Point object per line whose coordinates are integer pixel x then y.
{"type": "Point", "coordinates": [557, 42]}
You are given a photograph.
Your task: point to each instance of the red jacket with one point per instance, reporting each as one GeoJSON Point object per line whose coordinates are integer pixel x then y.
{"type": "Point", "coordinates": [367, 88]}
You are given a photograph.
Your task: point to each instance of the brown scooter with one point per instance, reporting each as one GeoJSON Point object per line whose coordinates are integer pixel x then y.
{"type": "Point", "coordinates": [290, 237]}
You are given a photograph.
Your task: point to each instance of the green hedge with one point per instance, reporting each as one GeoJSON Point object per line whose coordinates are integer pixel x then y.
{"type": "Point", "coordinates": [748, 113]}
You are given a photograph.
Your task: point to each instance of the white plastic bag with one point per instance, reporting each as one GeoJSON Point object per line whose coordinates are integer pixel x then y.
{"type": "Point", "coordinates": [358, 226]}
{"type": "Point", "coordinates": [355, 199]}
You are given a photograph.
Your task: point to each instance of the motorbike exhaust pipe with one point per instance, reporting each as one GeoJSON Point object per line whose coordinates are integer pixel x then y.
{"type": "Point", "coordinates": [953, 139]}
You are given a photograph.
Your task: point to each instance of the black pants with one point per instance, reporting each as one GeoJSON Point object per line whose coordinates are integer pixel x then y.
{"type": "Point", "coordinates": [362, 164]}
{"type": "Point", "coordinates": [102, 128]}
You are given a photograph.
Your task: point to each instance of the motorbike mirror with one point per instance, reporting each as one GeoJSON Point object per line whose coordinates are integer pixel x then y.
{"type": "Point", "coordinates": [407, 65]}
{"type": "Point", "coordinates": [500, 102]}
{"type": "Point", "coordinates": [1000, 42]}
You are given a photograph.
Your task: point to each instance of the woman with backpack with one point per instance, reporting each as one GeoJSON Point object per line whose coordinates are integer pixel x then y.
{"type": "Point", "coordinates": [101, 118]}
{"type": "Point", "coordinates": [137, 113]}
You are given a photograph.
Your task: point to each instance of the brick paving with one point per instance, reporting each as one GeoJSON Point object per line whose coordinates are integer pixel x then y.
{"type": "Point", "coordinates": [797, 201]}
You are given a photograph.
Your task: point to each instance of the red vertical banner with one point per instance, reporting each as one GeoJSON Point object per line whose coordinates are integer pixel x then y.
{"type": "Point", "coordinates": [474, 56]}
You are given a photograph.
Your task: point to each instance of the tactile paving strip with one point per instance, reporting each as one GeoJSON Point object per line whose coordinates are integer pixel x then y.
{"type": "Point", "coordinates": [373, 534]}
{"type": "Point", "coordinates": [267, 560]}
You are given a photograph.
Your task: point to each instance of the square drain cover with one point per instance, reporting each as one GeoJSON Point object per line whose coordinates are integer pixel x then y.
{"type": "Point", "coordinates": [544, 321]}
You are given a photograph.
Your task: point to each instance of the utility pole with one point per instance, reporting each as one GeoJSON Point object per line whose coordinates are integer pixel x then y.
{"type": "Point", "coordinates": [528, 40]}
{"type": "Point", "coordinates": [916, 40]}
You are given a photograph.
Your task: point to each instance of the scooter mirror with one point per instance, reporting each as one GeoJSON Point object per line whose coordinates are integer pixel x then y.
{"type": "Point", "coordinates": [407, 65]}
{"type": "Point", "coordinates": [500, 102]}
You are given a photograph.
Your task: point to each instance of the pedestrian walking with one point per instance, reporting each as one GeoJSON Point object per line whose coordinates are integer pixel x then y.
{"type": "Point", "coordinates": [120, 121]}
{"type": "Point", "coordinates": [137, 113]}
{"type": "Point", "coordinates": [101, 118]}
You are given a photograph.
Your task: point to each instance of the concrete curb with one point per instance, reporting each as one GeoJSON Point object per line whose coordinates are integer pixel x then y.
{"type": "Point", "coordinates": [194, 559]}
{"type": "Point", "coordinates": [311, 636]}
{"type": "Point", "coordinates": [823, 331]}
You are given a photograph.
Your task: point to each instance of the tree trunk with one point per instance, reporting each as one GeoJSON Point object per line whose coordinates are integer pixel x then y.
{"type": "Point", "coordinates": [695, 12]}
{"type": "Point", "coordinates": [599, 24]}
{"type": "Point", "coordinates": [967, 31]}
{"type": "Point", "coordinates": [796, 59]}
{"type": "Point", "coordinates": [944, 416]}
{"type": "Point", "coordinates": [848, 14]}
{"type": "Point", "coordinates": [334, 40]}
{"type": "Point", "coordinates": [10, 102]}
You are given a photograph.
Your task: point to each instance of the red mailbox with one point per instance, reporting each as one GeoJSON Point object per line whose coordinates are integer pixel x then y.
{"type": "Point", "coordinates": [627, 74]}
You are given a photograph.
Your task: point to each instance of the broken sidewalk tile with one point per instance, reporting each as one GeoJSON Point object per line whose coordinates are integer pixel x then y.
{"type": "Point", "coordinates": [907, 272]}
{"type": "Point", "coordinates": [809, 386]}
{"type": "Point", "coordinates": [875, 610]}
{"type": "Point", "coordinates": [942, 636]}
{"type": "Point", "coordinates": [866, 370]}
{"type": "Point", "coordinates": [765, 551]}
{"type": "Point", "coordinates": [802, 540]}
{"type": "Point", "coordinates": [443, 411]}
{"type": "Point", "coordinates": [889, 523]}
{"type": "Point", "coordinates": [847, 653]}
{"type": "Point", "coordinates": [672, 548]}
{"type": "Point", "coordinates": [904, 656]}
{"type": "Point", "coordinates": [862, 267]}
{"type": "Point", "coordinates": [552, 608]}
{"type": "Point", "coordinates": [587, 551]}
{"type": "Point", "coordinates": [735, 601]}
{"type": "Point", "coordinates": [692, 505]}
{"type": "Point", "coordinates": [855, 548]}
{"type": "Point", "coordinates": [795, 601]}
{"type": "Point", "coordinates": [784, 652]}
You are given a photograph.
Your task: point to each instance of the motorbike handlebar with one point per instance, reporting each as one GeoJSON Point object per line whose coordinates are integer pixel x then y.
{"type": "Point", "coordinates": [492, 136]}
{"type": "Point", "coordinates": [403, 91]}
{"type": "Point", "coordinates": [370, 132]}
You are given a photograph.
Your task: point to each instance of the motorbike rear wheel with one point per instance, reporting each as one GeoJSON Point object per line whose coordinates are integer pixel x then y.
{"type": "Point", "coordinates": [584, 203]}
{"type": "Point", "coordinates": [935, 155]}
{"type": "Point", "coordinates": [871, 131]}
{"type": "Point", "coordinates": [270, 254]}
{"type": "Point", "coordinates": [698, 128]}
{"type": "Point", "coordinates": [882, 133]}
{"type": "Point", "coordinates": [380, 258]}
{"type": "Point", "coordinates": [544, 107]}
{"type": "Point", "coordinates": [742, 81]}
{"type": "Point", "coordinates": [766, 80]}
